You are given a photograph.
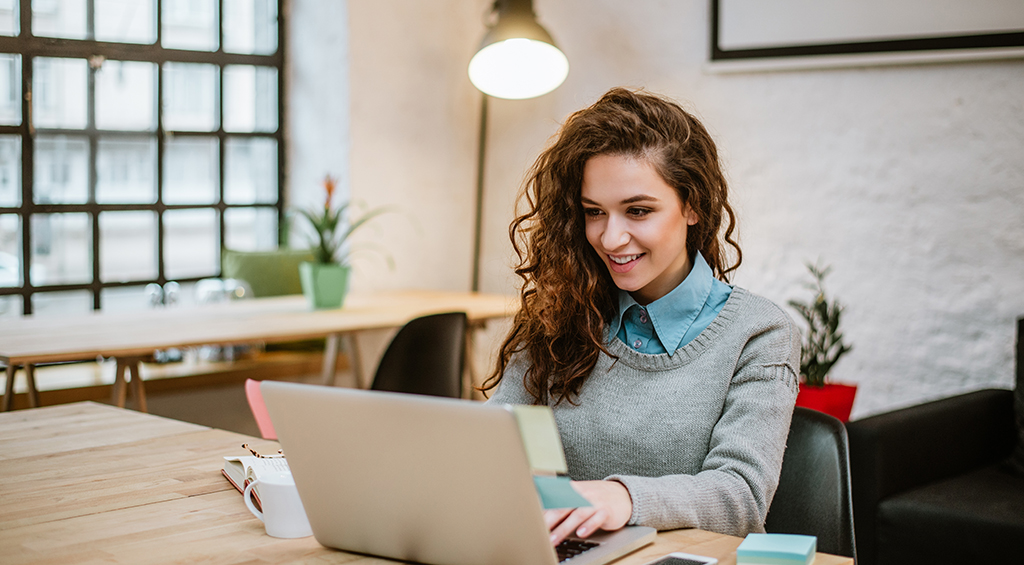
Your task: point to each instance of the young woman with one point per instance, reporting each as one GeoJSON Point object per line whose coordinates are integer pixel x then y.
{"type": "Point", "coordinates": [672, 390]}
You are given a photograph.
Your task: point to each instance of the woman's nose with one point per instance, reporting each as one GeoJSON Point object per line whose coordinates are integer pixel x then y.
{"type": "Point", "coordinates": [615, 234]}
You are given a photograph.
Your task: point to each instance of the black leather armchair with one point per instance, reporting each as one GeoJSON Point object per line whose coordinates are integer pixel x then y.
{"type": "Point", "coordinates": [931, 483]}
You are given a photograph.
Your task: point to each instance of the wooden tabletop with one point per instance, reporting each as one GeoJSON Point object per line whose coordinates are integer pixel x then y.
{"type": "Point", "coordinates": [89, 483]}
{"type": "Point", "coordinates": [33, 340]}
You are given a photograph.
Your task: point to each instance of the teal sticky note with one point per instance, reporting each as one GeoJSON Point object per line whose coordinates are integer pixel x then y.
{"type": "Point", "coordinates": [557, 492]}
{"type": "Point", "coordinates": [540, 438]}
{"type": "Point", "coordinates": [776, 549]}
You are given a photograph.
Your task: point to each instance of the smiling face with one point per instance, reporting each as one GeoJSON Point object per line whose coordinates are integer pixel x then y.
{"type": "Point", "coordinates": [637, 224]}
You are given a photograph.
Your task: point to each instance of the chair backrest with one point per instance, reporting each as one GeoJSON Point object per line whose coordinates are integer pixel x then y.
{"type": "Point", "coordinates": [814, 496]}
{"type": "Point", "coordinates": [425, 357]}
{"type": "Point", "coordinates": [268, 273]}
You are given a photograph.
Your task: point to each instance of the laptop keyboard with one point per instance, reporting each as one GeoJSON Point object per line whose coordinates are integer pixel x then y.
{"type": "Point", "coordinates": [570, 548]}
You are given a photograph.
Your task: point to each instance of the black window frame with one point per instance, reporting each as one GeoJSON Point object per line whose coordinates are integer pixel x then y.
{"type": "Point", "coordinates": [28, 47]}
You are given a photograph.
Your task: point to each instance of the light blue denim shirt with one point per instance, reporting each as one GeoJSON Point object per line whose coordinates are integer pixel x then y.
{"type": "Point", "coordinates": [674, 319]}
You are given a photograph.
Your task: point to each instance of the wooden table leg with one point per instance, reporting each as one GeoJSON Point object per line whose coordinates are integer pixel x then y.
{"type": "Point", "coordinates": [9, 388]}
{"type": "Point", "coordinates": [469, 358]}
{"type": "Point", "coordinates": [355, 359]}
{"type": "Point", "coordinates": [30, 378]}
{"type": "Point", "coordinates": [330, 358]}
{"type": "Point", "coordinates": [138, 390]}
{"type": "Point", "coordinates": [120, 392]}
{"type": "Point", "coordinates": [121, 384]}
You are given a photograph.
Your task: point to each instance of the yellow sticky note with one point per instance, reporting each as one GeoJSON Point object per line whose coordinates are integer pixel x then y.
{"type": "Point", "coordinates": [540, 438]}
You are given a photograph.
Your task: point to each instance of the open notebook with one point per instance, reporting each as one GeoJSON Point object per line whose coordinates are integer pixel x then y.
{"type": "Point", "coordinates": [419, 478]}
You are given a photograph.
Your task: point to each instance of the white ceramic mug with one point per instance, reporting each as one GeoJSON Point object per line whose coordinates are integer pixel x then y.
{"type": "Point", "coordinates": [283, 514]}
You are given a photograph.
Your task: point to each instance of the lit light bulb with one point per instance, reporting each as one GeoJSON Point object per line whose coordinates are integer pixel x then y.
{"type": "Point", "coordinates": [518, 68]}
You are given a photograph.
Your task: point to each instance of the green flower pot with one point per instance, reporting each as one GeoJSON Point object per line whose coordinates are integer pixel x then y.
{"type": "Point", "coordinates": [324, 284]}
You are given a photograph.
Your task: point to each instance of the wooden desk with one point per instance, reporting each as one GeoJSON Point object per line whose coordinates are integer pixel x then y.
{"type": "Point", "coordinates": [92, 483]}
{"type": "Point", "coordinates": [132, 337]}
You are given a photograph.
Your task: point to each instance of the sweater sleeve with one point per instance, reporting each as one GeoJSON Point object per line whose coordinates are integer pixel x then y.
{"type": "Point", "coordinates": [734, 488]}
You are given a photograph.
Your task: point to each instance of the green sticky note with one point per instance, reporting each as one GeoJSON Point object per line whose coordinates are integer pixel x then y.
{"type": "Point", "coordinates": [540, 438]}
{"type": "Point", "coordinates": [557, 492]}
{"type": "Point", "coordinates": [776, 549]}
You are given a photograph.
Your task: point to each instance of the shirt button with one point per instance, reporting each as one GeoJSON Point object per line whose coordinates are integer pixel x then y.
{"type": "Point", "coordinates": [637, 344]}
{"type": "Point", "coordinates": [643, 317]}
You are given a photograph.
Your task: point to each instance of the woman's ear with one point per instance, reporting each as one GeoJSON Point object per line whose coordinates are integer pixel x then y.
{"type": "Point", "coordinates": [689, 215]}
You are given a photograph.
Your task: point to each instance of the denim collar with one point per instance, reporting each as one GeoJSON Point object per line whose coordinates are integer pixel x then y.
{"type": "Point", "coordinates": [674, 313]}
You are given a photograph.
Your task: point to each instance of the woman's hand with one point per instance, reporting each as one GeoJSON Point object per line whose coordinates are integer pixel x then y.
{"type": "Point", "coordinates": [611, 508]}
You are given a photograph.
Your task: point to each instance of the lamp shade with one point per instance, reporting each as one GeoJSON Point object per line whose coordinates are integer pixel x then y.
{"type": "Point", "coordinates": [517, 58]}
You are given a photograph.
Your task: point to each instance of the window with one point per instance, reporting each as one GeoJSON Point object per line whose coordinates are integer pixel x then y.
{"type": "Point", "coordinates": [137, 139]}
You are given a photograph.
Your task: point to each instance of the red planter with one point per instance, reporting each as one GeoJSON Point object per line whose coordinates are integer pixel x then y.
{"type": "Point", "coordinates": [832, 399]}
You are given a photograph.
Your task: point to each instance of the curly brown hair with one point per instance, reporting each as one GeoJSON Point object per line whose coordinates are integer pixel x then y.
{"type": "Point", "coordinates": [568, 297]}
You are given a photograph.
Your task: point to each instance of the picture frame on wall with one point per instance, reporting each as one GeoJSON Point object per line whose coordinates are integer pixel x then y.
{"type": "Point", "coordinates": [824, 32]}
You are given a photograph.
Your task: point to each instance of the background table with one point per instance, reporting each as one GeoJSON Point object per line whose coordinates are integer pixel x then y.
{"type": "Point", "coordinates": [85, 482]}
{"type": "Point", "coordinates": [133, 337]}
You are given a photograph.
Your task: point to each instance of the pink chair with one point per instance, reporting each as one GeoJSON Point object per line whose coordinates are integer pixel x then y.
{"type": "Point", "coordinates": [259, 409]}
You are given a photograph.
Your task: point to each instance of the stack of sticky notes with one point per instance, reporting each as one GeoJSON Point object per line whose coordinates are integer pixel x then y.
{"type": "Point", "coordinates": [547, 459]}
{"type": "Point", "coordinates": [776, 549]}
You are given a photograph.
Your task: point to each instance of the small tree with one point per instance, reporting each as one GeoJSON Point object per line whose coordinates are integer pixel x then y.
{"type": "Point", "coordinates": [823, 343]}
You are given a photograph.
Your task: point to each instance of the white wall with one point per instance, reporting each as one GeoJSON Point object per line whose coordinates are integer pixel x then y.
{"type": "Point", "coordinates": [908, 180]}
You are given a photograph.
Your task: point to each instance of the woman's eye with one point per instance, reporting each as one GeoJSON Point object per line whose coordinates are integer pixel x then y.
{"type": "Point", "coordinates": [591, 212]}
{"type": "Point", "coordinates": [638, 212]}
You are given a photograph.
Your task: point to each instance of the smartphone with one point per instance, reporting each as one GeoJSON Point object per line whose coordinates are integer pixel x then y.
{"type": "Point", "coordinates": [684, 559]}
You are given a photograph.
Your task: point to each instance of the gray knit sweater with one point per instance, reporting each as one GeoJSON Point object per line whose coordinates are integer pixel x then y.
{"type": "Point", "coordinates": [697, 437]}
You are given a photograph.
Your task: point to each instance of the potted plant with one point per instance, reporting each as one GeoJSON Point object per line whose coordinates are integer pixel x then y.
{"type": "Point", "coordinates": [822, 347]}
{"type": "Point", "coordinates": [325, 279]}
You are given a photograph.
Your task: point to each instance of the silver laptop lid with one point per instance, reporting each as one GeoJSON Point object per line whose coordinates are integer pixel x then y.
{"type": "Point", "coordinates": [410, 477]}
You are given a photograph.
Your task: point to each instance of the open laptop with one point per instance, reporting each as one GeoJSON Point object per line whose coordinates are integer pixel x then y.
{"type": "Point", "coordinates": [418, 478]}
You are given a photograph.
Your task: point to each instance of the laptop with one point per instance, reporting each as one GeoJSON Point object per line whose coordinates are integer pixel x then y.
{"type": "Point", "coordinates": [419, 478]}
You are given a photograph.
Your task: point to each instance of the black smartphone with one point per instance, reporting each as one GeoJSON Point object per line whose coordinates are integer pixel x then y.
{"type": "Point", "coordinates": [684, 559]}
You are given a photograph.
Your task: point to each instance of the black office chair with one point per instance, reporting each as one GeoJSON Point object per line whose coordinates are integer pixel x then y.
{"type": "Point", "coordinates": [814, 496]}
{"type": "Point", "coordinates": [425, 357]}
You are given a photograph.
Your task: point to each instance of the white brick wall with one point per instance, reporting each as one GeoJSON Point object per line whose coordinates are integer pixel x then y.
{"type": "Point", "coordinates": [908, 180]}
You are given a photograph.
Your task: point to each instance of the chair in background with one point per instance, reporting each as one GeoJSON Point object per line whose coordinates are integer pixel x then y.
{"type": "Point", "coordinates": [425, 357]}
{"type": "Point", "coordinates": [269, 273]}
{"type": "Point", "coordinates": [814, 496]}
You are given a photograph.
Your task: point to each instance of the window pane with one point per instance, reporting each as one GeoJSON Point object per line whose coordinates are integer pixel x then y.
{"type": "Point", "coordinates": [59, 92]}
{"type": "Point", "coordinates": [126, 21]}
{"type": "Point", "coordinates": [190, 97]}
{"type": "Point", "coordinates": [61, 249]}
{"type": "Point", "coordinates": [250, 26]}
{"type": "Point", "coordinates": [191, 170]}
{"type": "Point", "coordinates": [60, 170]}
{"type": "Point", "coordinates": [250, 229]}
{"type": "Point", "coordinates": [61, 303]}
{"type": "Point", "coordinates": [10, 89]}
{"type": "Point", "coordinates": [10, 170]}
{"type": "Point", "coordinates": [191, 243]}
{"type": "Point", "coordinates": [126, 171]}
{"type": "Point", "coordinates": [127, 246]}
{"type": "Point", "coordinates": [190, 24]}
{"type": "Point", "coordinates": [250, 98]}
{"type": "Point", "coordinates": [250, 171]}
{"type": "Point", "coordinates": [59, 18]}
{"type": "Point", "coordinates": [10, 306]}
{"type": "Point", "coordinates": [126, 96]}
{"type": "Point", "coordinates": [9, 17]}
{"type": "Point", "coordinates": [10, 250]}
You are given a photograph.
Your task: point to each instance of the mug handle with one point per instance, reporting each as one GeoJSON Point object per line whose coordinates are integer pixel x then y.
{"type": "Point", "coordinates": [247, 495]}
